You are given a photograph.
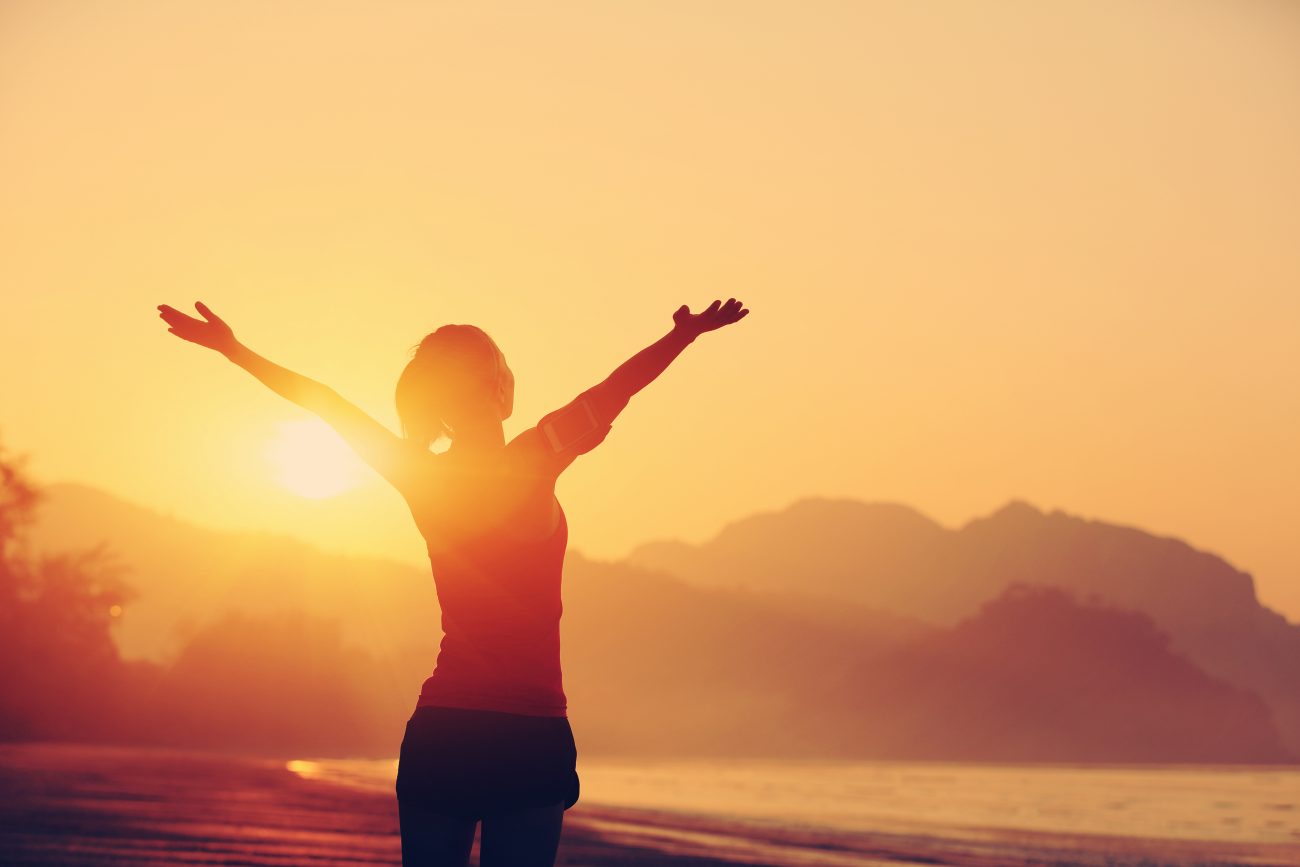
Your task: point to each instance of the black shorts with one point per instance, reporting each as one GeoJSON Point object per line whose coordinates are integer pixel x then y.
{"type": "Point", "coordinates": [472, 763]}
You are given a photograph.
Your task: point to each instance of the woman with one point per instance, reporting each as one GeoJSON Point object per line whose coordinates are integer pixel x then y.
{"type": "Point", "coordinates": [489, 739]}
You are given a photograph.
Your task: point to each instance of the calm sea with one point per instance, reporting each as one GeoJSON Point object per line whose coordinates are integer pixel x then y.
{"type": "Point", "coordinates": [1240, 804]}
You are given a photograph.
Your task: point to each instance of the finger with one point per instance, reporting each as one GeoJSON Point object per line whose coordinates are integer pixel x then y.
{"type": "Point", "coordinates": [734, 314]}
{"type": "Point", "coordinates": [713, 308]}
{"type": "Point", "coordinates": [207, 314]}
{"type": "Point", "coordinates": [175, 317]}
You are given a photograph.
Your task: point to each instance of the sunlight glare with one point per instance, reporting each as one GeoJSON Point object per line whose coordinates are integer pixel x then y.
{"type": "Point", "coordinates": [309, 458]}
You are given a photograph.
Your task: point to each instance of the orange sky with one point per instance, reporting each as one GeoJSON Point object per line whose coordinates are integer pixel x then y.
{"type": "Point", "coordinates": [998, 250]}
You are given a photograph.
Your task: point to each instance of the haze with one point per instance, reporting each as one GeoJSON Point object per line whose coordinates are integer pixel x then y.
{"type": "Point", "coordinates": [993, 251]}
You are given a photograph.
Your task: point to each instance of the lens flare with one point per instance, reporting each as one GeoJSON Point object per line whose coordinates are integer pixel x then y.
{"type": "Point", "coordinates": [310, 459]}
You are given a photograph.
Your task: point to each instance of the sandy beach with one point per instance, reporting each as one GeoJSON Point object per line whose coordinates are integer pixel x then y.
{"type": "Point", "coordinates": [86, 806]}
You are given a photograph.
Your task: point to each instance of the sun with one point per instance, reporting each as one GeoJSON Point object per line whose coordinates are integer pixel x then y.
{"type": "Point", "coordinates": [309, 458]}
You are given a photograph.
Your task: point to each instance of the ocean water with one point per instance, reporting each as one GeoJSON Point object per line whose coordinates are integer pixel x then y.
{"type": "Point", "coordinates": [1239, 804]}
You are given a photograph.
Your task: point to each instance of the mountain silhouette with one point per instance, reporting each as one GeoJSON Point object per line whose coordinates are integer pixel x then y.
{"type": "Point", "coordinates": [888, 556]}
{"type": "Point", "coordinates": [1038, 676]}
{"type": "Point", "coordinates": [657, 664]}
{"type": "Point", "coordinates": [188, 575]}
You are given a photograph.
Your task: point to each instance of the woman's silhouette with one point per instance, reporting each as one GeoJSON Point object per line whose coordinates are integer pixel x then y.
{"type": "Point", "coordinates": [489, 739]}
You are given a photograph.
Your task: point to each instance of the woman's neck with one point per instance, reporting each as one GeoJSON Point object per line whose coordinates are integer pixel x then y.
{"type": "Point", "coordinates": [478, 441]}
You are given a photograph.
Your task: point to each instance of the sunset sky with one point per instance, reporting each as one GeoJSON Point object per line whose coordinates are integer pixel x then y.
{"type": "Point", "coordinates": [1045, 251]}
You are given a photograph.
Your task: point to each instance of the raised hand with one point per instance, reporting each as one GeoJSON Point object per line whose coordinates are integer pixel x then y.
{"type": "Point", "coordinates": [713, 317]}
{"type": "Point", "coordinates": [213, 333]}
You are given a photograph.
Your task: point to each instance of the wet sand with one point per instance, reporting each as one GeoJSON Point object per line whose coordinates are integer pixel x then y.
{"type": "Point", "coordinates": [93, 806]}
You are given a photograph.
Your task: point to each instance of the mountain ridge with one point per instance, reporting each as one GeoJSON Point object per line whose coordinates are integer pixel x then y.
{"type": "Point", "coordinates": [1209, 608]}
{"type": "Point", "coordinates": [660, 663]}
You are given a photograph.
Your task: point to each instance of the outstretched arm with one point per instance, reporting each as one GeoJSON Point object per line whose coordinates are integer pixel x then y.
{"type": "Point", "coordinates": [394, 458]}
{"type": "Point", "coordinates": [611, 396]}
{"type": "Point", "coordinates": [582, 424]}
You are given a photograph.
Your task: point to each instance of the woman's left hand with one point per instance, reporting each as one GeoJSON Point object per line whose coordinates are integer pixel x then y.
{"type": "Point", "coordinates": [711, 318]}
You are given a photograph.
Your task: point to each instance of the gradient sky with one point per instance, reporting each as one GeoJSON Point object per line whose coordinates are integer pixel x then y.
{"type": "Point", "coordinates": [994, 250]}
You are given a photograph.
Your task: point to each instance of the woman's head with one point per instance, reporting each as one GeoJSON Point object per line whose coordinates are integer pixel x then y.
{"type": "Point", "coordinates": [457, 377]}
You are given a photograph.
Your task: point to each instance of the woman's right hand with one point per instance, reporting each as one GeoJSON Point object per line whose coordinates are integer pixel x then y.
{"type": "Point", "coordinates": [213, 333]}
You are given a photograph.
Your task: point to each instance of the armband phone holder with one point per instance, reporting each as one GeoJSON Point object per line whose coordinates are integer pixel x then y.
{"type": "Point", "coordinates": [568, 426]}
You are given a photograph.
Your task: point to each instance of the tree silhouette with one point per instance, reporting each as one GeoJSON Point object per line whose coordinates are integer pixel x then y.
{"type": "Point", "coordinates": [62, 673]}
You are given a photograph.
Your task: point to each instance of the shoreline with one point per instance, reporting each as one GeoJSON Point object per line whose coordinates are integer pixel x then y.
{"type": "Point", "coordinates": [85, 805]}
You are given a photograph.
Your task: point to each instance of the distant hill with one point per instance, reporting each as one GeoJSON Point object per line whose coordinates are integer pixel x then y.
{"type": "Point", "coordinates": [1037, 676]}
{"type": "Point", "coordinates": [187, 575]}
{"type": "Point", "coordinates": [888, 556]}
{"type": "Point", "coordinates": [656, 664]}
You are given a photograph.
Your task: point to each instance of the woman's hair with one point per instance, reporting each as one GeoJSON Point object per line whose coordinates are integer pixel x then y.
{"type": "Point", "coordinates": [451, 366]}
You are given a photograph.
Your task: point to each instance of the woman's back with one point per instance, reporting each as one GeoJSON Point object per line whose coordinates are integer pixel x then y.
{"type": "Point", "coordinates": [496, 537]}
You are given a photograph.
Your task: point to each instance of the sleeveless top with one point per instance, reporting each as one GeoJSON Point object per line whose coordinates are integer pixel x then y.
{"type": "Point", "coordinates": [500, 600]}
